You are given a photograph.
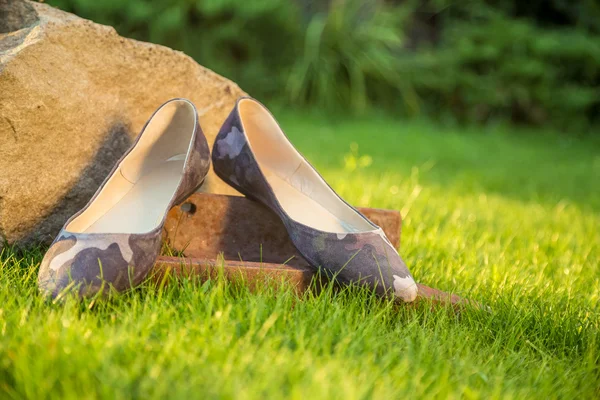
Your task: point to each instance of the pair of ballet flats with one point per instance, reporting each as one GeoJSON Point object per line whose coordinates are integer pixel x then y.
{"type": "Point", "coordinates": [115, 239]}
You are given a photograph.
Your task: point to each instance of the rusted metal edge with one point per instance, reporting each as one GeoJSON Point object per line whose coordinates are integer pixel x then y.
{"type": "Point", "coordinates": [253, 274]}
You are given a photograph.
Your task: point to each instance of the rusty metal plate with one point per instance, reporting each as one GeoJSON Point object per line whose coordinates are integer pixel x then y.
{"type": "Point", "coordinates": [209, 224]}
{"type": "Point", "coordinates": [248, 244]}
{"type": "Point", "coordinates": [253, 274]}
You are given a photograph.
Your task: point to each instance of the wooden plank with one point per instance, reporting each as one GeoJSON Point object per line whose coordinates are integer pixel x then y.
{"type": "Point", "coordinates": [209, 224]}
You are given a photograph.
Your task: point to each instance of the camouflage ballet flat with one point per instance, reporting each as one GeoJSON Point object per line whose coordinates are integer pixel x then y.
{"type": "Point", "coordinates": [252, 154]}
{"type": "Point", "coordinates": [115, 239]}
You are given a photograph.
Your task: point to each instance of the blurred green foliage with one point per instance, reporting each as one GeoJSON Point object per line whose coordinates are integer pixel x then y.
{"type": "Point", "coordinates": [535, 62]}
{"type": "Point", "coordinates": [507, 68]}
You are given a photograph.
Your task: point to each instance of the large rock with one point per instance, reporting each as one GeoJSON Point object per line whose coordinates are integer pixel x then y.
{"type": "Point", "coordinates": [73, 95]}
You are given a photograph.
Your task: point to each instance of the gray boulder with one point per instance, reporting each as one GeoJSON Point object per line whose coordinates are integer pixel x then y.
{"type": "Point", "coordinates": [73, 95]}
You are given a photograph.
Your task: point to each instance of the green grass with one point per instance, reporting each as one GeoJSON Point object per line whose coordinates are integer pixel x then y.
{"type": "Point", "coordinates": [510, 219]}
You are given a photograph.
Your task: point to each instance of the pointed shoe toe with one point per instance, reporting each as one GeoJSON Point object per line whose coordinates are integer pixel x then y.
{"type": "Point", "coordinates": [253, 155]}
{"type": "Point", "coordinates": [89, 262]}
{"type": "Point", "coordinates": [366, 258]}
{"type": "Point", "coordinates": [115, 239]}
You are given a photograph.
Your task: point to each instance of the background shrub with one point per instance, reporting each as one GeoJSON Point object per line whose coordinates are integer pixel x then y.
{"type": "Point", "coordinates": [535, 62]}
{"type": "Point", "coordinates": [500, 67]}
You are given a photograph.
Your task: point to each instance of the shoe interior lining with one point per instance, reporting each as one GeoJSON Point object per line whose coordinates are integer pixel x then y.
{"type": "Point", "coordinates": [136, 197]}
{"type": "Point", "coordinates": [300, 190]}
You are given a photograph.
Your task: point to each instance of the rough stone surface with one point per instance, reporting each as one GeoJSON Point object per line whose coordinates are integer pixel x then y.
{"type": "Point", "coordinates": [73, 95]}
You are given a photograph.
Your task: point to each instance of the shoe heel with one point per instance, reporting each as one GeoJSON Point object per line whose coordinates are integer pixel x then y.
{"type": "Point", "coordinates": [236, 187]}
{"type": "Point", "coordinates": [185, 196]}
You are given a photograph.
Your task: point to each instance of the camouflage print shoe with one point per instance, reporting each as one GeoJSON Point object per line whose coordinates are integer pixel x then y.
{"type": "Point", "coordinates": [253, 155]}
{"type": "Point", "coordinates": [115, 239]}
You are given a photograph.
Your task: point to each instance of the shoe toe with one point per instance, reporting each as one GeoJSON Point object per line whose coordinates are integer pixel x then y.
{"type": "Point", "coordinates": [405, 288]}
{"type": "Point", "coordinates": [88, 264]}
{"type": "Point", "coordinates": [367, 258]}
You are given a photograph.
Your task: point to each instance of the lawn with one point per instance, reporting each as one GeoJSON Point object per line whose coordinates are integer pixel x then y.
{"type": "Point", "coordinates": [510, 218]}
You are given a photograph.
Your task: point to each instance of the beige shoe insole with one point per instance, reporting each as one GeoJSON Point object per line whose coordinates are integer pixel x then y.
{"type": "Point", "coordinates": [143, 206]}
{"type": "Point", "coordinates": [302, 208]}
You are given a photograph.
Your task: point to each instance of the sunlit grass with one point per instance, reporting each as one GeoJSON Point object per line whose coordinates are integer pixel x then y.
{"type": "Point", "coordinates": [510, 219]}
